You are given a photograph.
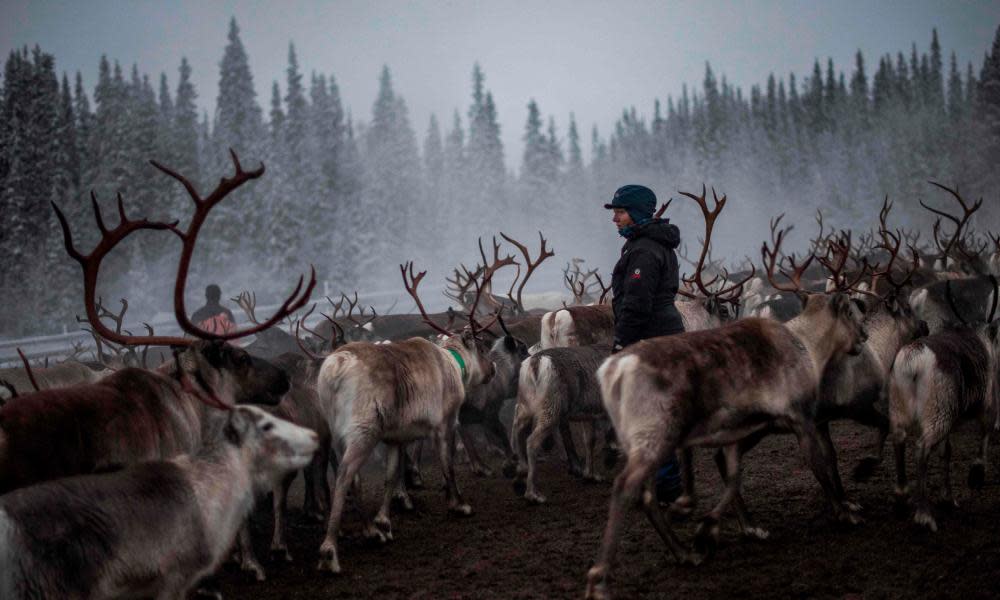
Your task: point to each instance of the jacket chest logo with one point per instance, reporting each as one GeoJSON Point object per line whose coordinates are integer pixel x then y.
{"type": "Point", "coordinates": [637, 274]}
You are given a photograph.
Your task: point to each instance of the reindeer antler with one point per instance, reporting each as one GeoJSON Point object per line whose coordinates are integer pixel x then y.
{"type": "Point", "coordinates": [770, 259]}
{"type": "Point", "coordinates": [90, 263]}
{"type": "Point", "coordinates": [710, 215]}
{"type": "Point", "coordinates": [955, 241]}
{"type": "Point", "coordinates": [411, 287]}
{"type": "Point", "coordinates": [543, 253]}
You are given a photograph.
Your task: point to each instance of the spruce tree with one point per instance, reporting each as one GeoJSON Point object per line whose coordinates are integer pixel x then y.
{"type": "Point", "coordinates": [185, 125]}
{"type": "Point", "coordinates": [238, 116]}
{"type": "Point", "coordinates": [433, 158]}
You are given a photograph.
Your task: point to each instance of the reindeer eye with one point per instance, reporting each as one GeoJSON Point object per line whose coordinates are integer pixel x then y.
{"type": "Point", "coordinates": [267, 427]}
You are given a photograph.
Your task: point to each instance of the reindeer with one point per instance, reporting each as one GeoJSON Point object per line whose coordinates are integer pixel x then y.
{"type": "Point", "coordinates": [483, 404]}
{"type": "Point", "coordinates": [936, 382]}
{"type": "Point", "coordinates": [396, 393]}
{"type": "Point", "coordinates": [557, 386]}
{"type": "Point", "coordinates": [717, 388]}
{"type": "Point", "coordinates": [59, 375]}
{"type": "Point", "coordinates": [136, 414]}
{"type": "Point", "coordinates": [971, 294]}
{"type": "Point", "coordinates": [191, 506]}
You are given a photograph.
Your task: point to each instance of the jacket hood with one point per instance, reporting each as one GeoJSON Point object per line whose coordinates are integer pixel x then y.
{"type": "Point", "coordinates": [661, 232]}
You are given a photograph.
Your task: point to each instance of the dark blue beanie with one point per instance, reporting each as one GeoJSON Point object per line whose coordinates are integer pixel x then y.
{"type": "Point", "coordinates": [638, 200]}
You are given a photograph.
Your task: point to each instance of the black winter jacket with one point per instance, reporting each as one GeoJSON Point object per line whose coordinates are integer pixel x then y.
{"type": "Point", "coordinates": [645, 283]}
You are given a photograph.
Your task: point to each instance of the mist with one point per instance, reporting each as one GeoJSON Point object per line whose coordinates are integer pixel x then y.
{"type": "Point", "coordinates": [356, 193]}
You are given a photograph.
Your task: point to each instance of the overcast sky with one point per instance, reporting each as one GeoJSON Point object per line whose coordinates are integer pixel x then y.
{"type": "Point", "coordinates": [591, 58]}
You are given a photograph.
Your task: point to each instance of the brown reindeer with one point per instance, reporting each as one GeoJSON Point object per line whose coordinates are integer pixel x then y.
{"type": "Point", "coordinates": [717, 388]}
{"type": "Point", "coordinates": [396, 393]}
{"type": "Point", "coordinates": [137, 414]}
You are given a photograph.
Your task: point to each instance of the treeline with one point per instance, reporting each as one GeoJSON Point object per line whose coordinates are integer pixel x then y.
{"type": "Point", "coordinates": [356, 197]}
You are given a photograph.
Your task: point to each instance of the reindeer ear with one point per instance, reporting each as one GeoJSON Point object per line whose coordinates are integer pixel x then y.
{"type": "Point", "coordinates": [509, 344]}
{"type": "Point", "coordinates": [860, 304]}
{"type": "Point", "coordinates": [803, 297]}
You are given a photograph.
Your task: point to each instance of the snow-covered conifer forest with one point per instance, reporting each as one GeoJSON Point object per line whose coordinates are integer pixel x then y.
{"type": "Point", "coordinates": [356, 194]}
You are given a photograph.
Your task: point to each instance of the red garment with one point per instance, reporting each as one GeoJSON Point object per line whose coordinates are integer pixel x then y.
{"type": "Point", "coordinates": [219, 324]}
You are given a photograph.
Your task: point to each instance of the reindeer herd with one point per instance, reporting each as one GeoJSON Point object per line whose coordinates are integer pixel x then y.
{"type": "Point", "coordinates": [124, 478]}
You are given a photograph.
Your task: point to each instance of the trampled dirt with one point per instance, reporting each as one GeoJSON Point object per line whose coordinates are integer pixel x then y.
{"type": "Point", "coordinates": [508, 549]}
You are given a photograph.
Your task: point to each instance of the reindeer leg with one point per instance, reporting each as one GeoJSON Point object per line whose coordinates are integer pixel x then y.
{"type": "Point", "coordinates": [902, 488]}
{"type": "Point", "coordinates": [543, 429]}
{"type": "Point", "coordinates": [279, 503]}
{"type": "Point", "coordinates": [684, 505]}
{"type": "Point", "coordinates": [738, 504]}
{"type": "Point", "coordinates": [629, 484]}
{"type": "Point", "coordinates": [446, 454]}
{"type": "Point", "coordinates": [411, 465]}
{"type": "Point", "coordinates": [520, 429]}
{"type": "Point", "coordinates": [707, 535]}
{"type": "Point", "coordinates": [922, 515]}
{"type": "Point", "coordinates": [977, 472]}
{"type": "Point", "coordinates": [354, 457]}
{"type": "Point", "coordinates": [572, 458]}
{"type": "Point", "coordinates": [248, 562]}
{"type": "Point", "coordinates": [475, 461]}
{"type": "Point", "coordinates": [590, 448]}
{"type": "Point", "coordinates": [392, 459]}
{"type": "Point", "coordinates": [823, 429]}
{"type": "Point", "coordinates": [818, 459]}
{"type": "Point", "coordinates": [497, 435]}
{"type": "Point", "coordinates": [651, 507]}
{"type": "Point", "coordinates": [872, 417]}
{"type": "Point", "coordinates": [948, 499]}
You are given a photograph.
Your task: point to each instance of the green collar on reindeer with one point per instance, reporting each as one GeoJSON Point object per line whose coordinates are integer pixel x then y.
{"type": "Point", "coordinates": [458, 358]}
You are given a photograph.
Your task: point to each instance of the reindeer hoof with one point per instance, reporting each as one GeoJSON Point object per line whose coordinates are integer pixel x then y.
{"type": "Point", "coordinates": [924, 518]}
{"type": "Point", "coordinates": [756, 533]}
{"type": "Point", "coordinates": [371, 532]}
{"type": "Point", "coordinates": [852, 506]}
{"type": "Point", "coordinates": [947, 503]}
{"type": "Point", "coordinates": [414, 481]}
{"type": "Point", "coordinates": [597, 585]}
{"type": "Point", "coordinates": [977, 476]}
{"type": "Point", "coordinates": [255, 568]}
{"type": "Point", "coordinates": [463, 509]}
{"type": "Point", "coordinates": [683, 507]}
{"type": "Point", "coordinates": [593, 478]}
{"type": "Point", "coordinates": [692, 559]}
{"type": "Point", "coordinates": [328, 561]}
{"type": "Point", "coordinates": [482, 472]}
{"type": "Point", "coordinates": [866, 468]}
{"type": "Point", "coordinates": [280, 554]}
{"type": "Point", "coordinates": [706, 538]}
{"type": "Point", "coordinates": [520, 486]}
{"type": "Point", "coordinates": [384, 526]}
{"type": "Point", "coordinates": [534, 498]}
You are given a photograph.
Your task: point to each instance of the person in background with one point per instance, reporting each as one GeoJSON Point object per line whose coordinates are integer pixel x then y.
{"type": "Point", "coordinates": [213, 317]}
{"type": "Point", "coordinates": [644, 285]}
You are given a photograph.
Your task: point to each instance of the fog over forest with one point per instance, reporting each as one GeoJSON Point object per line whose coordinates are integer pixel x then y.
{"type": "Point", "coordinates": [357, 194]}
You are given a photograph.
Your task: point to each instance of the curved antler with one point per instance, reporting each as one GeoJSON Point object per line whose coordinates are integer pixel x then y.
{"type": "Point", "coordinates": [770, 259]}
{"type": "Point", "coordinates": [110, 238]}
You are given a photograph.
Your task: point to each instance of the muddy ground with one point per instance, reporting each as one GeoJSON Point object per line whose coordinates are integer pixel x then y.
{"type": "Point", "coordinates": [508, 549]}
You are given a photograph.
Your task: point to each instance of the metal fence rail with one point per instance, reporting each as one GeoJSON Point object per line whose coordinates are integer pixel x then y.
{"type": "Point", "coordinates": [59, 346]}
